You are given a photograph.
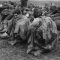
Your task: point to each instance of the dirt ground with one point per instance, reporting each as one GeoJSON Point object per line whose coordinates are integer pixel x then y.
{"type": "Point", "coordinates": [18, 52]}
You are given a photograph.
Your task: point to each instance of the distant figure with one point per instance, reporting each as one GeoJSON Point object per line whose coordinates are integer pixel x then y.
{"type": "Point", "coordinates": [24, 3]}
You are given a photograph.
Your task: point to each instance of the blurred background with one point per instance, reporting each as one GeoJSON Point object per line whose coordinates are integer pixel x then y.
{"type": "Point", "coordinates": [39, 2]}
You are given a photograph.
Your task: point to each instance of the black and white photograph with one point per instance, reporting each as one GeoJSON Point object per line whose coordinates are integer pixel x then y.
{"type": "Point", "coordinates": [29, 29]}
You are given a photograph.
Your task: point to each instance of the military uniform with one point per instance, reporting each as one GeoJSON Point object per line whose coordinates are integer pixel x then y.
{"type": "Point", "coordinates": [43, 32]}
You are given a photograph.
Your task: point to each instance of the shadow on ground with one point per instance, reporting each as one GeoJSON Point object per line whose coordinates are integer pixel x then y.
{"type": "Point", "coordinates": [18, 52]}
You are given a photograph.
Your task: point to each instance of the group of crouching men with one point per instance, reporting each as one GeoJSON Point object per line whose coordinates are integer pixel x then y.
{"type": "Point", "coordinates": [37, 30]}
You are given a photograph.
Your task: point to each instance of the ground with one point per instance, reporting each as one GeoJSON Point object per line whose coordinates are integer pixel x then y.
{"type": "Point", "coordinates": [18, 52]}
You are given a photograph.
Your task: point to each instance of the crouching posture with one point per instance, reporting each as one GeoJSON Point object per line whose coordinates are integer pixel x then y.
{"type": "Point", "coordinates": [19, 28]}
{"type": "Point", "coordinates": [43, 35]}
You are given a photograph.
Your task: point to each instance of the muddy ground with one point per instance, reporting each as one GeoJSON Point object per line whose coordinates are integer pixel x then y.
{"type": "Point", "coordinates": [18, 52]}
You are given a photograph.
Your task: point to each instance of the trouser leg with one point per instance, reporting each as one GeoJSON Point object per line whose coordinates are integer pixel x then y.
{"type": "Point", "coordinates": [30, 42]}
{"type": "Point", "coordinates": [9, 28]}
{"type": "Point", "coordinates": [17, 27]}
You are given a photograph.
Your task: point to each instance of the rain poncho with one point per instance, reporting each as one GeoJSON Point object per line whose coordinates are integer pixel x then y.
{"type": "Point", "coordinates": [43, 33]}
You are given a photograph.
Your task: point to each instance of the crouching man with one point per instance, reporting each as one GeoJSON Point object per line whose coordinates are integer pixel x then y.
{"type": "Point", "coordinates": [19, 27]}
{"type": "Point", "coordinates": [43, 35]}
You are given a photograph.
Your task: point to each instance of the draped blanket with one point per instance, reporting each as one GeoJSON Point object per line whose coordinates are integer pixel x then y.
{"type": "Point", "coordinates": [43, 32]}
